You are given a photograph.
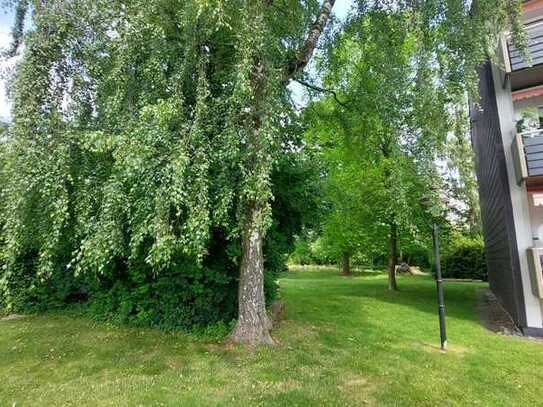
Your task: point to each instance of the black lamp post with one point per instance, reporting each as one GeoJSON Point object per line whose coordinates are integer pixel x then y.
{"type": "Point", "coordinates": [439, 283]}
{"type": "Point", "coordinates": [439, 278]}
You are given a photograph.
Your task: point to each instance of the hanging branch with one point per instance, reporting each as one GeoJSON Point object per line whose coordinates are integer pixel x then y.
{"type": "Point", "coordinates": [322, 90]}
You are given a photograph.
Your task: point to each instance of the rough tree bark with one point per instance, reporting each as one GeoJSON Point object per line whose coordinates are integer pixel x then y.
{"type": "Point", "coordinates": [346, 264]}
{"type": "Point", "coordinates": [392, 257]}
{"type": "Point", "coordinates": [253, 326]}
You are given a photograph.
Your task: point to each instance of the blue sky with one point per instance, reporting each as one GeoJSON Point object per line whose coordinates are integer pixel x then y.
{"type": "Point", "coordinates": [6, 20]}
{"type": "Point", "coordinates": [341, 9]}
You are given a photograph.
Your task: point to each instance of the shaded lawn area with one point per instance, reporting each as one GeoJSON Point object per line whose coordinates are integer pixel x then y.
{"type": "Point", "coordinates": [345, 342]}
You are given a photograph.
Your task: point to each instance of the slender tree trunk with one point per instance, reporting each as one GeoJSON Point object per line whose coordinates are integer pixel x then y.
{"type": "Point", "coordinates": [393, 238]}
{"type": "Point", "coordinates": [346, 264]}
{"type": "Point", "coordinates": [392, 257]}
{"type": "Point", "coordinates": [254, 325]}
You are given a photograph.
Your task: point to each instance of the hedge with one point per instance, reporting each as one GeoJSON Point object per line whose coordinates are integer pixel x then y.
{"type": "Point", "coordinates": [465, 259]}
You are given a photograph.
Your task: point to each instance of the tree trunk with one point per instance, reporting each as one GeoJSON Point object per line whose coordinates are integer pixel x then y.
{"type": "Point", "coordinates": [386, 148]}
{"type": "Point", "coordinates": [346, 264]}
{"type": "Point", "coordinates": [392, 257]}
{"type": "Point", "coordinates": [306, 52]}
{"type": "Point", "coordinates": [253, 325]}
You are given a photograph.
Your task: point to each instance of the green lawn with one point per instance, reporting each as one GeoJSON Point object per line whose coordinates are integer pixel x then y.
{"type": "Point", "coordinates": [345, 342]}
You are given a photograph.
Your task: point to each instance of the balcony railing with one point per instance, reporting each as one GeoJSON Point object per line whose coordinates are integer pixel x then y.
{"type": "Point", "coordinates": [527, 149]}
{"type": "Point", "coordinates": [516, 62]}
{"type": "Point", "coordinates": [533, 151]}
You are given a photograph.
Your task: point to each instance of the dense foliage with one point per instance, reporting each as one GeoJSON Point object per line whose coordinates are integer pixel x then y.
{"type": "Point", "coordinates": [465, 259]}
{"type": "Point", "coordinates": [185, 293]}
{"type": "Point", "coordinates": [393, 111]}
{"type": "Point", "coordinates": [381, 136]}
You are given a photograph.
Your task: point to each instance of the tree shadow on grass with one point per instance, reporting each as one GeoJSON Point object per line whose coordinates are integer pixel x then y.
{"type": "Point", "coordinates": [416, 292]}
{"type": "Point", "coordinates": [420, 293]}
{"type": "Point", "coordinates": [361, 313]}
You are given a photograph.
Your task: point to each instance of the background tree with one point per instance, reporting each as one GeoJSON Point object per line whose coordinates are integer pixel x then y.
{"type": "Point", "coordinates": [384, 147]}
{"type": "Point", "coordinates": [346, 226]}
{"type": "Point", "coordinates": [460, 180]}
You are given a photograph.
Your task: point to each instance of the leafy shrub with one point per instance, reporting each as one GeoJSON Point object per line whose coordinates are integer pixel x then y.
{"type": "Point", "coordinates": [302, 253]}
{"type": "Point", "coordinates": [465, 259]}
{"type": "Point", "coordinates": [310, 250]}
{"type": "Point", "coordinates": [24, 291]}
{"type": "Point", "coordinates": [216, 332]}
{"type": "Point", "coordinates": [184, 294]}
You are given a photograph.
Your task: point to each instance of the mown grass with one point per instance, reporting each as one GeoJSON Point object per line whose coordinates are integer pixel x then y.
{"type": "Point", "coordinates": [344, 342]}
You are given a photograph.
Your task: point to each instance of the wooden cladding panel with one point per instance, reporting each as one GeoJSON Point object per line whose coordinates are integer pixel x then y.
{"type": "Point", "coordinates": [533, 149]}
{"type": "Point", "coordinates": [535, 48]}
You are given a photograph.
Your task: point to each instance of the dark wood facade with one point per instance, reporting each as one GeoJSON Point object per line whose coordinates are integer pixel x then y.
{"type": "Point", "coordinates": [533, 149]}
{"type": "Point", "coordinates": [495, 198]}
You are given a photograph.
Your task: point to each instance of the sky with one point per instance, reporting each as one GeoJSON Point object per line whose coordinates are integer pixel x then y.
{"type": "Point", "coordinates": [6, 20]}
{"type": "Point", "coordinates": [341, 9]}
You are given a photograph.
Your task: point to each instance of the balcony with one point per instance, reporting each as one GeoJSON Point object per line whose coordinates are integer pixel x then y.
{"type": "Point", "coordinates": [527, 151]}
{"type": "Point", "coordinates": [533, 150]}
{"type": "Point", "coordinates": [534, 32]}
{"type": "Point", "coordinates": [525, 74]}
